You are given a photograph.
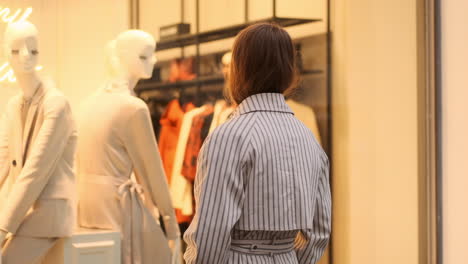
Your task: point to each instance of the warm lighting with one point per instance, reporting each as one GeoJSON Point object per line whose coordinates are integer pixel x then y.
{"type": "Point", "coordinates": [7, 74]}
{"type": "Point", "coordinates": [7, 16]}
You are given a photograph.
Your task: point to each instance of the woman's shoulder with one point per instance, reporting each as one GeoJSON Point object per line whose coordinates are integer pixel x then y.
{"type": "Point", "coordinates": [238, 127]}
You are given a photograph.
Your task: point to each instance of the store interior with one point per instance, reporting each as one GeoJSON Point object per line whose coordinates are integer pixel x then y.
{"type": "Point", "coordinates": [358, 79]}
{"type": "Point", "coordinates": [192, 71]}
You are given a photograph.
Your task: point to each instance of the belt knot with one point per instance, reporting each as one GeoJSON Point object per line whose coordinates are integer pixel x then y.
{"type": "Point", "coordinates": [130, 185]}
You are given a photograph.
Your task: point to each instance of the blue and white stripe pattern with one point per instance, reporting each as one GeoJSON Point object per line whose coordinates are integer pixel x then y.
{"type": "Point", "coordinates": [261, 171]}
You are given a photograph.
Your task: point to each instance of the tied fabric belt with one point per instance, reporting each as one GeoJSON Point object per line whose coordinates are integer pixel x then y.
{"type": "Point", "coordinates": [136, 213]}
{"type": "Point", "coordinates": [132, 222]}
{"type": "Point", "coordinates": [263, 247]}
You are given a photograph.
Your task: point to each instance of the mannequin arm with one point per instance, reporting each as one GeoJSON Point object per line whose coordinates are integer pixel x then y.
{"type": "Point", "coordinates": [46, 150]}
{"type": "Point", "coordinates": [3, 235]}
{"type": "Point", "coordinates": [141, 145]}
{"type": "Point", "coordinates": [174, 245]}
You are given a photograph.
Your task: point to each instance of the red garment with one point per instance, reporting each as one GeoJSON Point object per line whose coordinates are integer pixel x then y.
{"type": "Point", "coordinates": [181, 218]}
{"type": "Point", "coordinates": [182, 70]}
{"type": "Point", "coordinates": [171, 122]}
{"type": "Point", "coordinates": [195, 141]}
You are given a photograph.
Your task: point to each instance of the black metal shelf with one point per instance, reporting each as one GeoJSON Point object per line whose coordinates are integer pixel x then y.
{"type": "Point", "coordinates": [202, 81]}
{"type": "Point", "coordinates": [309, 72]}
{"type": "Point", "coordinates": [223, 33]}
{"type": "Point", "coordinates": [151, 86]}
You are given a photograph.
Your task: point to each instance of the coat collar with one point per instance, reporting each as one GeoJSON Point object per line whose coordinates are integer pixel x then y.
{"type": "Point", "coordinates": [116, 86]}
{"type": "Point", "coordinates": [37, 96]}
{"type": "Point", "coordinates": [264, 102]}
{"type": "Point", "coordinates": [26, 130]}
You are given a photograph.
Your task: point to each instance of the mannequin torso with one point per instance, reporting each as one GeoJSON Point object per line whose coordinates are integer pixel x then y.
{"type": "Point", "coordinates": [116, 140]}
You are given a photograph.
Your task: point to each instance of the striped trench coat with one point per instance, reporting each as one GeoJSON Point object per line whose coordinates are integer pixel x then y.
{"type": "Point", "coordinates": [262, 190]}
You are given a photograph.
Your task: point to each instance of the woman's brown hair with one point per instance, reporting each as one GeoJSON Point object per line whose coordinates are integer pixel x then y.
{"type": "Point", "coordinates": [263, 61]}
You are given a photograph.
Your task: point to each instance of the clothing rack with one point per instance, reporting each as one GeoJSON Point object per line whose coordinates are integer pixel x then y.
{"type": "Point", "coordinates": [199, 38]}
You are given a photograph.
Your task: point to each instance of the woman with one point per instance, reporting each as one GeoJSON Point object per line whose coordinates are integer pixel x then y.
{"type": "Point", "coordinates": [262, 189]}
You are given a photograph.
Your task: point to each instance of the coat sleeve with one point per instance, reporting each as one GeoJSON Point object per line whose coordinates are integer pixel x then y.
{"type": "Point", "coordinates": [141, 145]}
{"type": "Point", "coordinates": [316, 239]}
{"type": "Point", "coordinates": [219, 195]}
{"type": "Point", "coordinates": [45, 152]}
{"type": "Point", "coordinates": [4, 162]}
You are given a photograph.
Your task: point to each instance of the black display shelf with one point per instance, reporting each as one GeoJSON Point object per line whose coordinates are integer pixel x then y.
{"type": "Point", "coordinates": [151, 86]}
{"type": "Point", "coordinates": [202, 81]}
{"type": "Point", "coordinates": [309, 72]}
{"type": "Point", "coordinates": [226, 32]}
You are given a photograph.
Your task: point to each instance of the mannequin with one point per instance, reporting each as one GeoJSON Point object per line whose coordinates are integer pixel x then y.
{"type": "Point", "coordinates": [37, 145]}
{"type": "Point", "coordinates": [118, 157]}
{"type": "Point", "coordinates": [226, 61]}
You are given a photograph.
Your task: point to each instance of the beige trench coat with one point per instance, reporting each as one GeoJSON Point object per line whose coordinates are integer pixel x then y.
{"type": "Point", "coordinates": [116, 140]}
{"type": "Point", "coordinates": [37, 181]}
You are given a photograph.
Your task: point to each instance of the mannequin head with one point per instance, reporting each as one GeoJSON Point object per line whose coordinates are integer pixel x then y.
{"type": "Point", "coordinates": [21, 47]}
{"type": "Point", "coordinates": [134, 55]}
{"type": "Point", "coordinates": [226, 60]}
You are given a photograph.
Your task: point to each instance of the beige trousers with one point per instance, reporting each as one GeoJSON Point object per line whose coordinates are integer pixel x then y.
{"type": "Point", "coordinates": [26, 250]}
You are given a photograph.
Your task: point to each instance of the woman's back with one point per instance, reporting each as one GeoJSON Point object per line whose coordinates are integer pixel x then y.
{"type": "Point", "coordinates": [262, 189]}
{"type": "Point", "coordinates": [261, 171]}
{"type": "Point", "coordinates": [283, 169]}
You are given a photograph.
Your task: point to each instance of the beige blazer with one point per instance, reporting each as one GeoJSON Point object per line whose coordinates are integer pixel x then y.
{"type": "Point", "coordinates": [307, 116]}
{"type": "Point", "coordinates": [37, 181]}
{"type": "Point", "coordinates": [117, 140]}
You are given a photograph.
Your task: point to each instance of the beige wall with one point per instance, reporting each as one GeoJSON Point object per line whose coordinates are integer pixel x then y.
{"type": "Point", "coordinates": [375, 132]}
{"type": "Point", "coordinates": [72, 39]}
{"type": "Point", "coordinates": [85, 27]}
{"type": "Point", "coordinates": [43, 16]}
{"type": "Point", "coordinates": [454, 130]}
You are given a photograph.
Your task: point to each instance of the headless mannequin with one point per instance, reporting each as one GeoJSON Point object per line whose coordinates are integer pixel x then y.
{"type": "Point", "coordinates": [22, 51]}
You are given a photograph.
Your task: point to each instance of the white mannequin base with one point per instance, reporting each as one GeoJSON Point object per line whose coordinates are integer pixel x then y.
{"type": "Point", "coordinates": [87, 246]}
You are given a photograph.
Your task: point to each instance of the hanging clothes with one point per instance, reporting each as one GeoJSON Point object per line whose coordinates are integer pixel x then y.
{"type": "Point", "coordinates": [181, 188]}
{"type": "Point", "coordinates": [171, 123]}
{"type": "Point", "coordinates": [218, 108]}
{"type": "Point", "coordinates": [195, 141]}
{"type": "Point", "coordinates": [156, 111]}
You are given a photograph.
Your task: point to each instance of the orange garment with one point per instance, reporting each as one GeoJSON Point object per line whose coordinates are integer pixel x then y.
{"type": "Point", "coordinates": [195, 141]}
{"type": "Point", "coordinates": [171, 121]}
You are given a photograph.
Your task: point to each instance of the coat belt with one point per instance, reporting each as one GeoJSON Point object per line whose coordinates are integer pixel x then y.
{"type": "Point", "coordinates": [132, 208]}
{"type": "Point", "coordinates": [263, 247]}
